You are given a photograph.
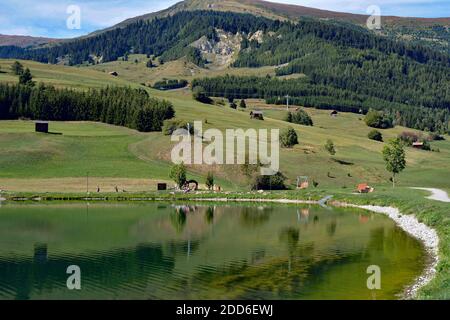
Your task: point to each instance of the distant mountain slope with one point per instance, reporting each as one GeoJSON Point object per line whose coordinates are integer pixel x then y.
{"type": "Point", "coordinates": [431, 32]}
{"type": "Point", "coordinates": [23, 41]}
{"type": "Point", "coordinates": [275, 10]}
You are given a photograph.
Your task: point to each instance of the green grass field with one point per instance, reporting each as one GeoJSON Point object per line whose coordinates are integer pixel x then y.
{"type": "Point", "coordinates": [109, 151]}
{"type": "Point", "coordinates": [60, 76]}
{"type": "Point", "coordinates": [179, 69]}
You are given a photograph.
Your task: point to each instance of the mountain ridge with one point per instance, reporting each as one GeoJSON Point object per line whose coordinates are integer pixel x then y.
{"type": "Point", "coordinates": [279, 11]}
{"type": "Point", "coordinates": [272, 10]}
{"type": "Point", "coordinates": [24, 41]}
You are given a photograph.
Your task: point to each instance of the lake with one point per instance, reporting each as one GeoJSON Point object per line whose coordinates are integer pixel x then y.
{"type": "Point", "coordinates": [202, 251]}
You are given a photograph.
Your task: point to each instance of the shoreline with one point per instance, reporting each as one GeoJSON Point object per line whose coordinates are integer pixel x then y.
{"type": "Point", "coordinates": [418, 230]}
{"type": "Point", "coordinates": [409, 223]}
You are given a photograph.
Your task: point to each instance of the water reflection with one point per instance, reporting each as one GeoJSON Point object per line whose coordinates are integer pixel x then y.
{"type": "Point", "coordinates": [164, 251]}
{"type": "Point", "coordinates": [252, 217]}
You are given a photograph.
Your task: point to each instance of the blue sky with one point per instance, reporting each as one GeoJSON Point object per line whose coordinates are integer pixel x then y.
{"type": "Point", "coordinates": [48, 18]}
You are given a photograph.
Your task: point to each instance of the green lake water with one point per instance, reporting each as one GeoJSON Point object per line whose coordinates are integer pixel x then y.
{"type": "Point", "coordinates": [202, 251]}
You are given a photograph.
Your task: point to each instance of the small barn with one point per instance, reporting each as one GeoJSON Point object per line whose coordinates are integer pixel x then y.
{"type": "Point", "coordinates": [162, 186]}
{"type": "Point", "coordinates": [418, 145]}
{"type": "Point", "coordinates": [41, 126]}
{"type": "Point", "coordinates": [258, 115]}
{"type": "Point", "coordinates": [364, 188]}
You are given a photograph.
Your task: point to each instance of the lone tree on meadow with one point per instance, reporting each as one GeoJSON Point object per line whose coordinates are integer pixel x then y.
{"type": "Point", "coordinates": [199, 94]}
{"type": "Point", "coordinates": [242, 104]}
{"type": "Point", "coordinates": [26, 78]}
{"type": "Point", "coordinates": [375, 135]}
{"type": "Point", "coordinates": [209, 180]}
{"type": "Point", "coordinates": [329, 146]}
{"type": "Point", "coordinates": [17, 68]}
{"type": "Point", "coordinates": [288, 138]}
{"type": "Point", "coordinates": [395, 157]}
{"type": "Point", "coordinates": [178, 174]}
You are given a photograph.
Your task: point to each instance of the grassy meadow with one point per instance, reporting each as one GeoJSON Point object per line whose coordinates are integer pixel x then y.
{"type": "Point", "coordinates": [33, 163]}
{"type": "Point", "coordinates": [135, 70]}
{"type": "Point", "coordinates": [60, 76]}
{"type": "Point", "coordinates": [106, 151]}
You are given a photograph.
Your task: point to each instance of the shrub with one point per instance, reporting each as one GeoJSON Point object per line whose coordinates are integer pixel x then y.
{"type": "Point", "coordinates": [17, 68]}
{"type": "Point", "coordinates": [199, 94]}
{"type": "Point", "coordinates": [171, 125]}
{"type": "Point", "coordinates": [170, 84]}
{"type": "Point", "coordinates": [26, 78]}
{"type": "Point", "coordinates": [435, 137]}
{"type": "Point", "coordinates": [178, 174]}
{"type": "Point", "coordinates": [329, 146]}
{"type": "Point", "coordinates": [209, 180]}
{"type": "Point", "coordinates": [378, 119]}
{"type": "Point", "coordinates": [426, 145]}
{"type": "Point", "coordinates": [300, 117]}
{"type": "Point", "coordinates": [242, 104]}
{"type": "Point", "coordinates": [288, 138]}
{"type": "Point", "coordinates": [275, 182]}
{"type": "Point", "coordinates": [233, 105]}
{"type": "Point", "coordinates": [375, 135]}
{"type": "Point", "coordinates": [288, 117]}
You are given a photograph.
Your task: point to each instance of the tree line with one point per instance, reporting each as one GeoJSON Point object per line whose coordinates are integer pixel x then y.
{"type": "Point", "coordinates": [122, 106]}
{"type": "Point", "coordinates": [170, 84]}
{"type": "Point", "coordinates": [304, 93]}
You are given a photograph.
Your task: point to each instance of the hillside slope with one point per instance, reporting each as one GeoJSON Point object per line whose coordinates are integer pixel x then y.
{"type": "Point", "coordinates": [432, 32]}
{"type": "Point", "coordinates": [24, 41]}
{"type": "Point", "coordinates": [111, 152]}
{"type": "Point", "coordinates": [345, 67]}
{"type": "Point", "coordinates": [282, 11]}
{"type": "Point", "coordinates": [428, 31]}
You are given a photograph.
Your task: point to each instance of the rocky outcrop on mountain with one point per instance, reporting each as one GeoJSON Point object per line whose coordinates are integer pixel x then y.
{"type": "Point", "coordinates": [219, 52]}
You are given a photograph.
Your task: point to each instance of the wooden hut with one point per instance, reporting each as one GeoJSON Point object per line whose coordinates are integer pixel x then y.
{"type": "Point", "coordinates": [41, 126]}
{"type": "Point", "coordinates": [162, 186]}
{"type": "Point", "coordinates": [258, 115]}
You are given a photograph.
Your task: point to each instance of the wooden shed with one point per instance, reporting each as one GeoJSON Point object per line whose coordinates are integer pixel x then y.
{"type": "Point", "coordinates": [41, 126]}
{"type": "Point", "coordinates": [162, 186]}
{"type": "Point", "coordinates": [257, 115]}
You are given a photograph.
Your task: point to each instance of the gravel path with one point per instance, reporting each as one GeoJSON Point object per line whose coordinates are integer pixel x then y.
{"type": "Point", "coordinates": [436, 194]}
